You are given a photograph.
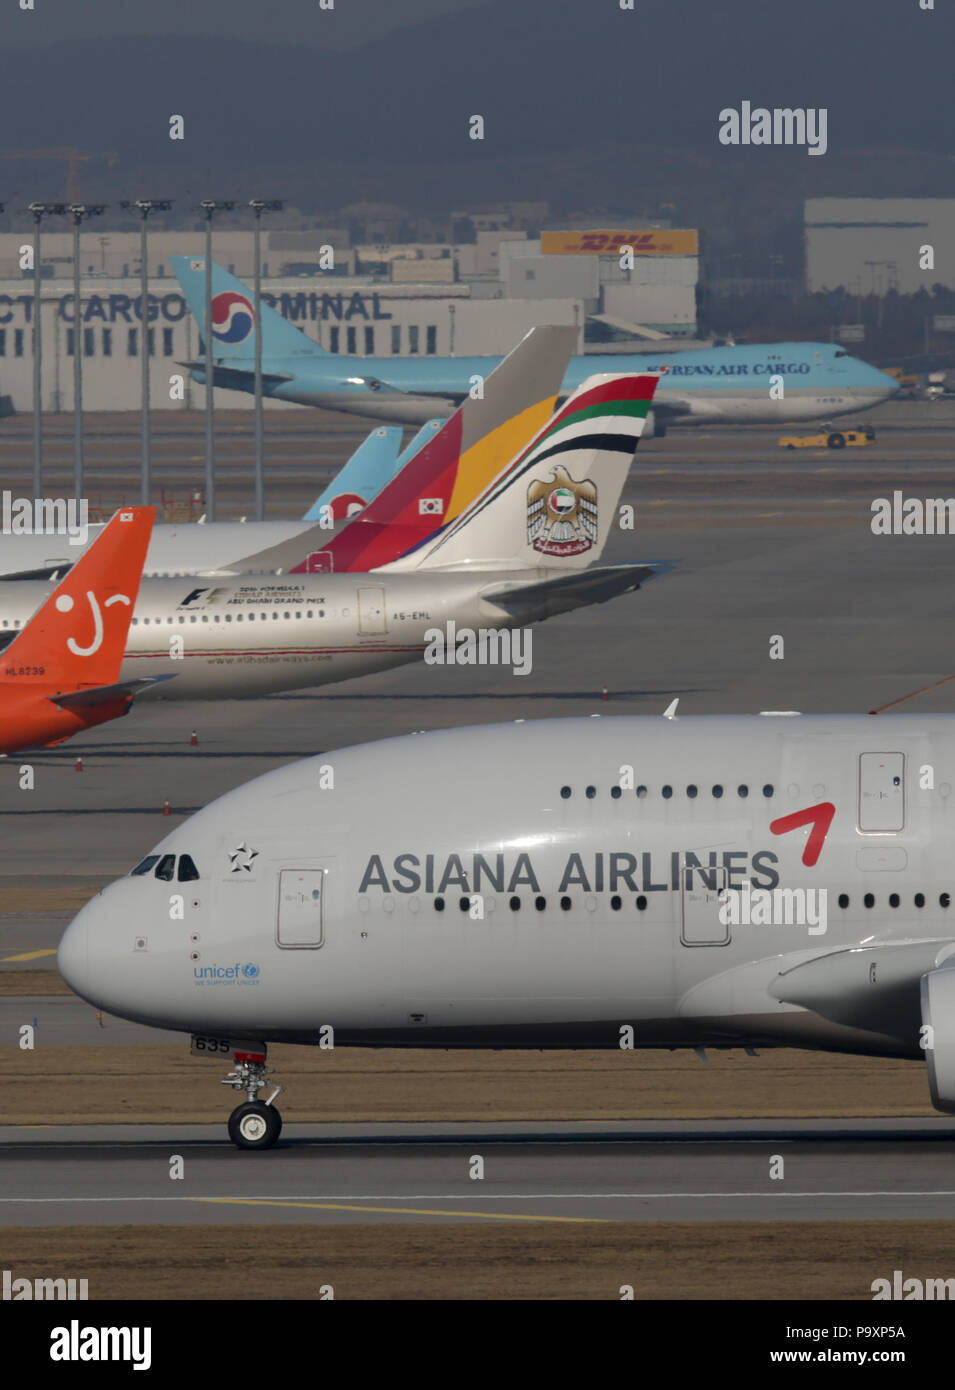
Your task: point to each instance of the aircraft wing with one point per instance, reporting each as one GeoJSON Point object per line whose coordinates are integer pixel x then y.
{"type": "Point", "coordinates": [670, 408]}
{"type": "Point", "coordinates": [876, 988]}
{"type": "Point", "coordinates": [237, 377]}
{"type": "Point", "coordinates": [104, 694]}
{"type": "Point", "coordinates": [542, 598]}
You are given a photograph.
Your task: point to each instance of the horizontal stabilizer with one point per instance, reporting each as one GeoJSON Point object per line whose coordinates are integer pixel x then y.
{"type": "Point", "coordinates": [239, 378]}
{"type": "Point", "coordinates": [45, 572]}
{"type": "Point", "coordinates": [561, 593]}
{"type": "Point", "coordinates": [105, 694]}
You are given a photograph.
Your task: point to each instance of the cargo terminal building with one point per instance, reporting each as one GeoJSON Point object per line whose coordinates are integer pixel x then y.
{"type": "Point", "coordinates": [430, 300]}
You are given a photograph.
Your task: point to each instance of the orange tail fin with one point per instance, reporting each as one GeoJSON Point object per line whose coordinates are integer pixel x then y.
{"type": "Point", "coordinates": [78, 636]}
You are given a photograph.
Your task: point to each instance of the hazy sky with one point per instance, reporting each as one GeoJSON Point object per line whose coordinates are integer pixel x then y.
{"type": "Point", "coordinates": [300, 21]}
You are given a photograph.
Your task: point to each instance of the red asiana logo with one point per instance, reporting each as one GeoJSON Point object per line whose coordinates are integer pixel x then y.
{"type": "Point", "coordinates": [819, 817]}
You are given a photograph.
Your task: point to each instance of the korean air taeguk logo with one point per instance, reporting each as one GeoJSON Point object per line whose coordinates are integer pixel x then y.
{"type": "Point", "coordinates": [232, 317]}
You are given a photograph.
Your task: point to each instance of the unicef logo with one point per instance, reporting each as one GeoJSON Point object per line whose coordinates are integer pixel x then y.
{"type": "Point", "coordinates": [250, 971]}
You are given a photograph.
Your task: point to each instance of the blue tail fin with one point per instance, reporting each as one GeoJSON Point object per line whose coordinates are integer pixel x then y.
{"type": "Point", "coordinates": [374, 463]}
{"type": "Point", "coordinates": [233, 315]}
{"type": "Point", "coordinates": [426, 433]}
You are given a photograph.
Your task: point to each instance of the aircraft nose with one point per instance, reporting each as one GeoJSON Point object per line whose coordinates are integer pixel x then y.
{"type": "Point", "coordinates": [120, 954]}
{"type": "Point", "coordinates": [72, 958]}
{"type": "Point", "coordinates": [884, 383]}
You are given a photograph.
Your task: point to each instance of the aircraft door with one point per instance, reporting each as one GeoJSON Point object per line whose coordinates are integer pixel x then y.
{"type": "Point", "coordinates": [881, 792]}
{"type": "Point", "coordinates": [371, 610]}
{"type": "Point", "coordinates": [300, 922]}
{"type": "Point", "coordinates": [703, 894]}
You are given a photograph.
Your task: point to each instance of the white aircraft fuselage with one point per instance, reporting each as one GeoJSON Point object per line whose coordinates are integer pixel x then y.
{"type": "Point", "coordinates": [554, 884]}
{"type": "Point", "coordinates": [189, 548]}
{"type": "Point", "coordinates": [225, 638]}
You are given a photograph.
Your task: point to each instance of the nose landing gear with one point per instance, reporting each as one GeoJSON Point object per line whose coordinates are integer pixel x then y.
{"type": "Point", "coordinates": [256, 1124]}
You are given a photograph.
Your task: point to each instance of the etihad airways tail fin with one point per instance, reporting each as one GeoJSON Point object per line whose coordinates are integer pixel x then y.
{"type": "Point", "coordinates": [553, 505]}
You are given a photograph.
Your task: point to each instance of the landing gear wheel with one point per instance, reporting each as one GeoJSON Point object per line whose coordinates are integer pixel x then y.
{"type": "Point", "coordinates": [836, 440]}
{"type": "Point", "coordinates": [254, 1125]}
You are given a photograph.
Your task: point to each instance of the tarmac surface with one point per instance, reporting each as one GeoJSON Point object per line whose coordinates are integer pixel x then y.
{"type": "Point", "coordinates": [64, 1022]}
{"type": "Point", "coordinates": [766, 543]}
{"type": "Point", "coordinates": [654, 1171]}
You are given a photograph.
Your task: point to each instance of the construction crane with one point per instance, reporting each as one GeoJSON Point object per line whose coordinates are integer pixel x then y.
{"type": "Point", "coordinates": [73, 158]}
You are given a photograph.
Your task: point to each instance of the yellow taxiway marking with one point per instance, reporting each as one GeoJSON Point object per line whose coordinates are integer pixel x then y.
{"type": "Point", "coordinates": [30, 955]}
{"type": "Point", "coordinates": [394, 1211]}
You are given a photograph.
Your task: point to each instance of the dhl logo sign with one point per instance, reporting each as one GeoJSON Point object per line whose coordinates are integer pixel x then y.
{"type": "Point", "coordinates": [608, 243]}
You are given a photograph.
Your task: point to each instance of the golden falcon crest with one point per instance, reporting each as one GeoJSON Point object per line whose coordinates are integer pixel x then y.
{"type": "Point", "coordinates": [561, 514]}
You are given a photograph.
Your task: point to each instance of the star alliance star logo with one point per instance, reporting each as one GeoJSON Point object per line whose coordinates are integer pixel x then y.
{"type": "Point", "coordinates": [243, 858]}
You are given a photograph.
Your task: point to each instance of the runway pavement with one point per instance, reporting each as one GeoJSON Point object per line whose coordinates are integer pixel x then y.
{"type": "Point", "coordinates": [64, 1022]}
{"type": "Point", "coordinates": [651, 1171]}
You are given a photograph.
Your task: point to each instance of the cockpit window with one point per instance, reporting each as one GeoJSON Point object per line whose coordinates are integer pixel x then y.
{"type": "Point", "coordinates": [842, 354]}
{"type": "Point", "coordinates": [187, 869]}
{"type": "Point", "coordinates": [166, 867]}
{"type": "Point", "coordinates": [146, 865]}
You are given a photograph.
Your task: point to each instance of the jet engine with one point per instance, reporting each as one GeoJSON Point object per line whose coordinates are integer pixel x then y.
{"type": "Point", "coordinates": [938, 1035]}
